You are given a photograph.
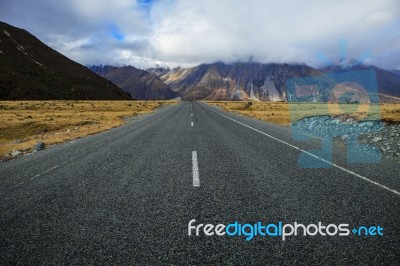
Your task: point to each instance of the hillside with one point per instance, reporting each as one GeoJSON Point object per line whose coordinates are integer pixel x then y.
{"type": "Point", "coordinates": [30, 70]}
{"type": "Point", "coordinates": [237, 81]}
{"type": "Point", "coordinates": [259, 82]}
{"type": "Point", "coordinates": [388, 81]}
{"type": "Point", "coordinates": [140, 84]}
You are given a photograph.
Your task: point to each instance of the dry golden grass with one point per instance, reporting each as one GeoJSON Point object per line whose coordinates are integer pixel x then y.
{"type": "Point", "coordinates": [285, 113]}
{"type": "Point", "coordinates": [23, 123]}
{"type": "Point", "coordinates": [267, 111]}
{"type": "Point", "coordinates": [390, 112]}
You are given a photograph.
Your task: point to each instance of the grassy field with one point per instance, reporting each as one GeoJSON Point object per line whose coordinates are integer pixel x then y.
{"type": "Point", "coordinates": [285, 113]}
{"type": "Point", "coordinates": [24, 123]}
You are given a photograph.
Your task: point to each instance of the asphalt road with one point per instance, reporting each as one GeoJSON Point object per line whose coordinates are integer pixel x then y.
{"type": "Point", "coordinates": [126, 196]}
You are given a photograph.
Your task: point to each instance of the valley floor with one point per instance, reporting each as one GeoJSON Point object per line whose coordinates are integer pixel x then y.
{"type": "Point", "coordinates": [126, 196]}
{"type": "Point", "coordinates": [286, 113]}
{"type": "Point", "coordinates": [24, 123]}
{"type": "Point", "coordinates": [377, 125]}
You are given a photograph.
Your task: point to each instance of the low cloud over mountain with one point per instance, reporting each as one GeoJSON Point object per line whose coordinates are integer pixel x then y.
{"type": "Point", "coordinates": [185, 33]}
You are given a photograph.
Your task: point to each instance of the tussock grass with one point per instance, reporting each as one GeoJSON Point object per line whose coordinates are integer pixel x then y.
{"type": "Point", "coordinates": [284, 113]}
{"type": "Point", "coordinates": [23, 123]}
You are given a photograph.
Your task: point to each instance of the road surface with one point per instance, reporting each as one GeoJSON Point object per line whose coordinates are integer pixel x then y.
{"type": "Point", "coordinates": [126, 196]}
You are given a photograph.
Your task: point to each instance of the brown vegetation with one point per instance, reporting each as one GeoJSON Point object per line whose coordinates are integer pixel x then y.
{"type": "Point", "coordinates": [285, 113]}
{"type": "Point", "coordinates": [23, 123]}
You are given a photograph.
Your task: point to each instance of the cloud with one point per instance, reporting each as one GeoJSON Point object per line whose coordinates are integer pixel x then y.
{"type": "Point", "coordinates": [116, 33]}
{"type": "Point", "coordinates": [188, 32]}
{"type": "Point", "coordinates": [288, 31]}
{"type": "Point", "coordinates": [379, 19]}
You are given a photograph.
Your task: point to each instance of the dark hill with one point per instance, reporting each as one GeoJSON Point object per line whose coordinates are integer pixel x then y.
{"type": "Point", "coordinates": [30, 70]}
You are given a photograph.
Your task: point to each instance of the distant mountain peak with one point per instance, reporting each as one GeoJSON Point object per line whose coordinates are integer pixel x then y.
{"type": "Point", "coordinates": [256, 81]}
{"type": "Point", "coordinates": [233, 81]}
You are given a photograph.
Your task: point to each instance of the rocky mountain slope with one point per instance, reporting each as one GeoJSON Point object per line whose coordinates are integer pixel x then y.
{"type": "Point", "coordinates": [237, 81]}
{"type": "Point", "coordinates": [260, 82]}
{"type": "Point", "coordinates": [30, 70]}
{"type": "Point", "coordinates": [140, 84]}
{"type": "Point", "coordinates": [388, 81]}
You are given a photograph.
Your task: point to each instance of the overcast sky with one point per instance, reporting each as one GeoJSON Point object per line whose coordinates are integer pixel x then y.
{"type": "Point", "coordinates": [189, 32]}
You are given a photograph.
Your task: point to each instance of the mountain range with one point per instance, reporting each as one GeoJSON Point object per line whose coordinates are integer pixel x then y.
{"type": "Point", "coordinates": [236, 81]}
{"type": "Point", "coordinates": [140, 84]}
{"type": "Point", "coordinates": [30, 70]}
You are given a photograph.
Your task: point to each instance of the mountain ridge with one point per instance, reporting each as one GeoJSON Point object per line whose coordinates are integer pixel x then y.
{"type": "Point", "coordinates": [140, 84]}
{"type": "Point", "coordinates": [234, 81]}
{"type": "Point", "coordinates": [260, 82]}
{"type": "Point", "coordinates": [30, 70]}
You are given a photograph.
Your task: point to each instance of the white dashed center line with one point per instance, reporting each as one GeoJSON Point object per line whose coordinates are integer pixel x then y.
{"type": "Point", "coordinates": [195, 170]}
{"type": "Point", "coordinates": [192, 124]}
